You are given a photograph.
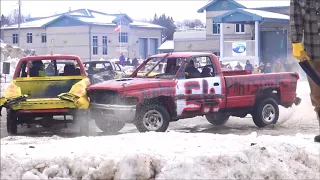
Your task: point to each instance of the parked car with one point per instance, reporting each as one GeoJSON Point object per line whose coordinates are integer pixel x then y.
{"type": "Point", "coordinates": [99, 71]}
{"type": "Point", "coordinates": [44, 87]}
{"type": "Point", "coordinates": [182, 91]}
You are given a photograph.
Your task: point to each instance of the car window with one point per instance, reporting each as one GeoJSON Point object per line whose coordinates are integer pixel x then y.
{"type": "Point", "coordinates": [200, 67]}
{"type": "Point", "coordinates": [43, 68]}
{"type": "Point", "coordinates": [118, 68]}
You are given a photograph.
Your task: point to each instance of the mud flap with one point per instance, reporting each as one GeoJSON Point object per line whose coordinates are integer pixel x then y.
{"type": "Point", "coordinates": [8, 102]}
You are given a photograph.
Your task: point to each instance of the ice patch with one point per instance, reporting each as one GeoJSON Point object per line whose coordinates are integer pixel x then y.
{"type": "Point", "coordinates": [161, 156]}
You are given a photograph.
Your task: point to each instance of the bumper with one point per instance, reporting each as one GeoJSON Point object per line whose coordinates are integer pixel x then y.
{"type": "Point", "coordinates": [113, 112]}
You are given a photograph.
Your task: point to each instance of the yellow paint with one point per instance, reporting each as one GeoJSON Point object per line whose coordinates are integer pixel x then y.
{"type": "Point", "coordinates": [44, 103]}
{"type": "Point", "coordinates": [28, 85]}
{"type": "Point", "coordinates": [149, 75]}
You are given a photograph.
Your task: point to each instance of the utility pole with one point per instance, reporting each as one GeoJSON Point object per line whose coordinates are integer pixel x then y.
{"type": "Point", "coordinates": [19, 21]}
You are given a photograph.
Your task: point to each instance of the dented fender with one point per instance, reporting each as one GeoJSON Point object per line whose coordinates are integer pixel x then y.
{"type": "Point", "coordinates": [78, 94]}
{"type": "Point", "coordinates": [12, 95]}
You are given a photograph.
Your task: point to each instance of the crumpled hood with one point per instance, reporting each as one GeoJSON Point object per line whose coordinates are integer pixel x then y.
{"type": "Point", "coordinates": [127, 84]}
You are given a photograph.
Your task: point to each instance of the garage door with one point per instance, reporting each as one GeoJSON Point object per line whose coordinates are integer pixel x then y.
{"type": "Point", "coordinates": [273, 46]}
{"type": "Point", "coordinates": [153, 46]}
{"type": "Point", "coordinates": [143, 47]}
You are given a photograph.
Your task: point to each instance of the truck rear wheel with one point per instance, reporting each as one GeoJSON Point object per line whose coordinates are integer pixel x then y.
{"type": "Point", "coordinates": [217, 119]}
{"type": "Point", "coordinates": [265, 112]}
{"type": "Point", "coordinates": [152, 118]}
{"type": "Point", "coordinates": [109, 126]}
{"type": "Point", "coordinates": [12, 125]}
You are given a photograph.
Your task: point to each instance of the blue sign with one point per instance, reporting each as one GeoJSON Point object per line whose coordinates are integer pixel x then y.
{"type": "Point", "coordinates": [239, 48]}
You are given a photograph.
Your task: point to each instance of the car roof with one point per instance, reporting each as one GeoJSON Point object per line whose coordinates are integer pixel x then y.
{"type": "Point", "coordinates": [181, 54]}
{"type": "Point", "coordinates": [50, 57]}
{"type": "Point", "coordinates": [89, 62]}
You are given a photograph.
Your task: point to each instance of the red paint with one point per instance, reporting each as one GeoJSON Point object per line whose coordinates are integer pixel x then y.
{"type": "Point", "coordinates": [238, 88]}
{"type": "Point", "coordinates": [44, 111]}
{"type": "Point", "coordinates": [47, 57]}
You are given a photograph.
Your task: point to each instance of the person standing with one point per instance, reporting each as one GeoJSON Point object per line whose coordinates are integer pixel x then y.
{"type": "Point", "coordinates": [122, 59]}
{"type": "Point", "coordinates": [248, 66]}
{"type": "Point", "coordinates": [278, 67]}
{"type": "Point", "coordinates": [305, 38]}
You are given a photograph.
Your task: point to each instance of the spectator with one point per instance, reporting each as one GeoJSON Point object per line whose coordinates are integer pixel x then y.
{"type": "Point", "coordinates": [128, 62]}
{"type": "Point", "coordinates": [256, 69]}
{"type": "Point", "coordinates": [122, 59]}
{"type": "Point", "coordinates": [268, 68]}
{"type": "Point", "coordinates": [135, 62]}
{"type": "Point", "coordinates": [238, 67]}
{"type": "Point", "coordinates": [248, 66]}
{"type": "Point", "coordinates": [278, 67]}
{"type": "Point", "coordinates": [262, 68]}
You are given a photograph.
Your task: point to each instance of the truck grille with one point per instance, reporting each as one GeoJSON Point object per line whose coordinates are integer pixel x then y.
{"type": "Point", "coordinates": [104, 97]}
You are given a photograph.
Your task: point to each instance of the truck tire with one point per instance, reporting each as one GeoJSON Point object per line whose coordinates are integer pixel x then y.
{"type": "Point", "coordinates": [12, 125]}
{"type": "Point", "coordinates": [109, 126]}
{"type": "Point", "coordinates": [152, 117]}
{"type": "Point", "coordinates": [265, 112]}
{"type": "Point", "coordinates": [217, 119]}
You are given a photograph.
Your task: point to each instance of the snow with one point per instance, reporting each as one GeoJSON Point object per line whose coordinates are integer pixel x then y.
{"type": "Point", "coordinates": [145, 25]}
{"type": "Point", "coordinates": [32, 24]}
{"type": "Point", "coordinates": [169, 155]}
{"type": "Point", "coordinates": [169, 44]}
{"type": "Point", "coordinates": [266, 14]}
{"type": "Point", "coordinates": [98, 19]}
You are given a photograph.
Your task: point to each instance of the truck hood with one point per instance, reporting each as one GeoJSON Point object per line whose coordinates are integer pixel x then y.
{"type": "Point", "coordinates": [127, 84]}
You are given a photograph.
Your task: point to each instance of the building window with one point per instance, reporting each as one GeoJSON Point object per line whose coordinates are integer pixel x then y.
{"type": "Point", "coordinates": [29, 37]}
{"type": "Point", "coordinates": [94, 45]}
{"type": "Point", "coordinates": [43, 37]}
{"type": "Point", "coordinates": [15, 39]}
{"type": "Point", "coordinates": [104, 45]}
{"type": "Point", "coordinates": [239, 28]}
{"type": "Point", "coordinates": [123, 37]}
{"type": "Point", "coordinates": [215, 28]}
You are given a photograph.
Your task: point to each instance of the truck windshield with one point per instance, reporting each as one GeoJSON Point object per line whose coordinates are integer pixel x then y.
{"type": "Point", "coordinates": [161, 68]}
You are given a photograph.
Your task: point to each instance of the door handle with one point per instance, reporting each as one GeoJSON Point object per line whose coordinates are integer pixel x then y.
{"type": "Point", "coordinates": [216, 84]}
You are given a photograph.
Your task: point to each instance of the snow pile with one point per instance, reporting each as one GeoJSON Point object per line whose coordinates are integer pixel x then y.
{"type": "Point", "coordinates": [169, 155]}
{"type": "Point", "coordinates": [12, 54]}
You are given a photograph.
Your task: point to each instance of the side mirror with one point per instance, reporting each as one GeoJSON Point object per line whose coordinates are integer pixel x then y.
{"type": "Point", "coordinates": [5, 67]}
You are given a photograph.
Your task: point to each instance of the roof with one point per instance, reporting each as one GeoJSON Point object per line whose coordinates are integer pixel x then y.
{"type": "Point", "coordinates": [189, 35]}
{"type": "Point", "coordinates": [167, 45]}
{"type": "Point", "coordinates": [266, 14]}
{"type": "Point", "coordinates": [214, 1]}
{"type": "Point", "coordinates": [86, 16]}
{"type": "Point", "coordinates": [252, 4]}
{"type": "Point", "coordinates": [181, 54]}
{"type": "Point", "coordinates": [257, 15]}
{"type": "Point", "coordinates": [90, 62]}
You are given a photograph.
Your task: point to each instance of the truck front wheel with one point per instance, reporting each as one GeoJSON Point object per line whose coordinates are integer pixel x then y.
{"type": "Point", "coordinates": [217, 119]}
{"type": "Point", "coordinates": [265, 112]}
{"type": "Point", "coordinates": [12, 126]}
{"type": "Point", "coordinates": [109, 126]}
{"type": "Point", "coordinates": [152, 118]}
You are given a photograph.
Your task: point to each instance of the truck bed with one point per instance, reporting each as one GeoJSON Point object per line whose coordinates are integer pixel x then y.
{"type": "Point", "coordinates": [241, 90]}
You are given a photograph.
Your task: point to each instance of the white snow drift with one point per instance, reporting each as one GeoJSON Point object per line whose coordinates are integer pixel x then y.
{"type": "Point", "coordinates": [169, 155]}
{"type": "Point", "coordinates": [12, 54]}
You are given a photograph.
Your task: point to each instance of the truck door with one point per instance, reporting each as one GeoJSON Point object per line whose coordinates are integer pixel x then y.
{"type": "Point", "coordinates": [197, 92]}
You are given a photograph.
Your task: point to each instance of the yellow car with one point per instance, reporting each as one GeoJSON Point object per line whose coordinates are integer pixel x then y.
{"type": "Point", "coordinates": [45, 87]}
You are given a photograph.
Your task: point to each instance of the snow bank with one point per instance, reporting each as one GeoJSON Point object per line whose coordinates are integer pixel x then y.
{"type": "Point", "coordinates": [169, 155]}
{"type": "Point", "coordinates": [12, 54]}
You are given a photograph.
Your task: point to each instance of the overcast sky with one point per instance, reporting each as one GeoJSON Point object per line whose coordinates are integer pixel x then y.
{"type": "Point", "coordinates": [179, 10]}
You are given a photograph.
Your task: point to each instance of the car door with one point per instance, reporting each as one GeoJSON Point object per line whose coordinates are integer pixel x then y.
{"type": "Point", "coordinates": [198, 95]}
{"type": "Point", "coordinates": [119, 70]}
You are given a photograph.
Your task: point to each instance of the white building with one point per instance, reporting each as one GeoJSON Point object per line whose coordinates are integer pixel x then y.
{"type": "Point", "coordinates": [86, 33]}
{"type": "Point", "coordinates": [235, 32]}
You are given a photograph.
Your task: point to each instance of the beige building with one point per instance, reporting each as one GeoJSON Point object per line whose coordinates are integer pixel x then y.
{"type": "Point", "coordinates": [235, 32]}
{"type": "Point", "coordinates": [86, 33]}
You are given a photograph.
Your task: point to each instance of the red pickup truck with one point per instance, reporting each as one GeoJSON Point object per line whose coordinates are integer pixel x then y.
{"type": "Point", "coordinates": [193, 84]}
